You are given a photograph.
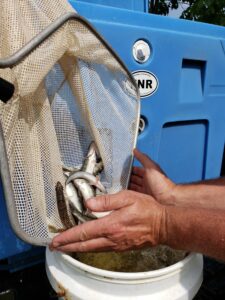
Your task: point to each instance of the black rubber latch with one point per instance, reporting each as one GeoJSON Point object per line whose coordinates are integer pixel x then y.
{"type": "Point", "coordinates": [6, 90]}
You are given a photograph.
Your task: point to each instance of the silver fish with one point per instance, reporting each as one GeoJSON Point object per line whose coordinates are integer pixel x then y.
{"type": "Point", "coordinates": [88, 177]}
{"type": "Point", "coordinates": [67, 169]}
{"type": "Point", "coordinates": [78, 191]}
{"type": "Point", "coordinates": [76, 205]}
{"type": "Point", "coordinates": [86, 191]}
{"type": "Point", "coordinates": [91, 159]}
{"type": "Point", "coordinates": [84, 188]}
{"type": "Point", "coordinates": [73, 197]}
{"type": "Point", "coordinates": [79, 216]}
{"type": "Point", "coordinates": [98, 168]}
{"type": "Point", "coordinates": [82, 183]}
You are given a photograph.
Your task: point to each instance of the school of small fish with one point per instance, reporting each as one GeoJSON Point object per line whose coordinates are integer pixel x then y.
{"type": "Point", "coordinates": [81, 184]}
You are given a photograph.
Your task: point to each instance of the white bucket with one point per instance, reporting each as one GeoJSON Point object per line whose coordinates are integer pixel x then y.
{"type": "Point", "coordinates": [73, 280]}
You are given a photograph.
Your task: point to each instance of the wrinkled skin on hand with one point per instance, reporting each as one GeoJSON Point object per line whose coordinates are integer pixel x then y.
{"type": "Point", "coordinates": [136, 220]}
{"type": "Point", "coordinates": [151, 180]}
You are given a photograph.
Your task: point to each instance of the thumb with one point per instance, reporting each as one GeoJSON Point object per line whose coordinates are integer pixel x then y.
{"type": "Point", "coordinates": [109, 202]}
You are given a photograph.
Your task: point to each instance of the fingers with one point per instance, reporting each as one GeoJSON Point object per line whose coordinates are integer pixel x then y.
{"type": "Point", "coordinates": [83, 232]}
{"type": "Point", "coordinates": [138, 171]}
{"type": "Point", "coordinates": [136, 188]}
{"type": "Point", "coordinates": [136, 180]}
{"type": "Point", "coordinates": [109, 202]}
{"type": "Point", "coordinates": [99, 244]}
{"type": "Point", "coordinates": [144, 159]}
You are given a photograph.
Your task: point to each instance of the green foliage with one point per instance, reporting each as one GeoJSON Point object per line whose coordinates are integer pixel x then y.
{"type": "Point", "coordinates": [161, 7]}
{"type": "Point", "coordinates": [208, 11]}
{"type": "Point", "coordinates": [158, 7]}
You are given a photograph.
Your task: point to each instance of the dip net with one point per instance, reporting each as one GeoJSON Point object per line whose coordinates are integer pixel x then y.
{"type": "Point", "coordinates": [65, 87]}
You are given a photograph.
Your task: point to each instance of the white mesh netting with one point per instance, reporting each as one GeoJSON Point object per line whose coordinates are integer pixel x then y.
{"type": "Point", "coordinates": [69, 91]}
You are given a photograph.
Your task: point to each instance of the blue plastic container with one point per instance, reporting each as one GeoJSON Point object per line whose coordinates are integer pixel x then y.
{"type": "Point", "coordinates": [184, 119]}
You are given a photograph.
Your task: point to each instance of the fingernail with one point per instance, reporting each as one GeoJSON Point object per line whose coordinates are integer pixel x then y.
{"type": "Point", "coordinates": [55, 244]}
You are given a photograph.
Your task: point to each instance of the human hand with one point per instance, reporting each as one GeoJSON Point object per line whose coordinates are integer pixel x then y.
{"type": "Point", "coordinates": [136, 220]}
{"type": "Point", "coordinates": [151, 180]}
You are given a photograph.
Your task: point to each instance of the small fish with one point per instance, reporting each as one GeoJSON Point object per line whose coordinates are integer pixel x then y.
{"type": "Point", "coordinates": [79, 216]}
{"type": "Point", "coordinates": [72, 196]}
{"type": "Point", "coordinates": [62, 207]}
{"type": "Point", "coordinates": [78, 192]}
{"type": "Point", "coordinates": [91, 159]}
{"type": "Point", "coordinates": [67, 169]}
{"type": "Point", "coordinates": [82, 184]}
{"type": "Point", "coordinates": [89, 177]}
{"type": "Point", "coordinates": [98, 168]}
{"type": "Point", "coordinates": [84, 188]}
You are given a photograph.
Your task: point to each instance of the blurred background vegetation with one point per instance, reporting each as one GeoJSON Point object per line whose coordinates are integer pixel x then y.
{"type": "Point", "coordinates": [208, 11]}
